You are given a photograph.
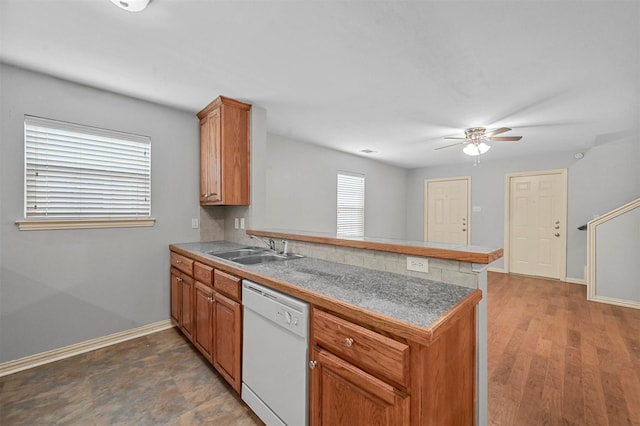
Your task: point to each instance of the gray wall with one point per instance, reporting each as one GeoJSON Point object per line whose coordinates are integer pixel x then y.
{"type": "Point", "coordinates": [300, 190]}
{"type": "Point", "coordinates": [606, 178]}
{"type": "Point", "coordinates": [58, 288]}
{"type": "Point", "coordinates": [616, 257]}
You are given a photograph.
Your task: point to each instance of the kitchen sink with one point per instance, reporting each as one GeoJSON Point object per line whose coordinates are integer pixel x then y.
{"type": "Point", "coordinates": [231, 254]}
{"type": "Point", "coordinates": [253, 255]}
{"type": "Point", "coordinates": [253, 259]}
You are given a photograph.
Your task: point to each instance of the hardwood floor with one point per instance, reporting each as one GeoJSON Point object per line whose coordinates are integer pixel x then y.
{"type": "Point", "coordinates": [554, 359]}
{"type": "Point", "coordinates": [557, 359]}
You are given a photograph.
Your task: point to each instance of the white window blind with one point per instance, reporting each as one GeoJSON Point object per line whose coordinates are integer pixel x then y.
{"type": "Point", "coordinates": [80, 172]}
{"type": "Point", "coordinates": [350, 205]}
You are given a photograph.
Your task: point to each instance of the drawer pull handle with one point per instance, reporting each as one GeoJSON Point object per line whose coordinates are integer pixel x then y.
{"type": "Point", "coordinates": [348, 342]}
{"type": "Point", "coordinates": [178, 261]}
{"type": "Point", "coordinates": [312, 364]}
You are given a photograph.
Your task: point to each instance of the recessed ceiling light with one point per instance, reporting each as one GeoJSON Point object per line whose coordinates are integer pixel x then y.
{"type": "Point", "coordinates": [131, 5]}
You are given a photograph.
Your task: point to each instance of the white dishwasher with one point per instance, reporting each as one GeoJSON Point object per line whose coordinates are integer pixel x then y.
{"type": "Point", "coordinates": [275, 355]}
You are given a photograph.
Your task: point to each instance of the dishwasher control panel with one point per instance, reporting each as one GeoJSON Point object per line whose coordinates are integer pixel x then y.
{"type": "Point", "coordinates": [286, 311]}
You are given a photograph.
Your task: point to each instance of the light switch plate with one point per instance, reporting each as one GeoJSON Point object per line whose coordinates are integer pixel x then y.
{"type": "Point", "coordinates": [242, 223]}
{"type": "Point", "coordinates": [195, 223]}
{"type": "Point", "coordinates": [235, 223]}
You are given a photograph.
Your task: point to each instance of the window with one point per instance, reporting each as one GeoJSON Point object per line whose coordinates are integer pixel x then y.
{"type": "Point", "coordinates": [350, 205]}
{"type": "Point", "coordinates": [78, 176]}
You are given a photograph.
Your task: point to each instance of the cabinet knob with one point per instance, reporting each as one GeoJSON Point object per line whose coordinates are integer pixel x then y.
{"type": "Point", "coordinates": [210, 299]}
{"type": "Point", "coordinates": [557, 234]}
{"type": "Point", "coordinates": [312, 364]}
{"type": "Point", "coordinates": [348, 342]}
{"type": "Point", "coordinates": [178, 261]}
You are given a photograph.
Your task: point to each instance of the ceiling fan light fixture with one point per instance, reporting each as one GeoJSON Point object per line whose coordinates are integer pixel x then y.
{"type": "Point", "coordinates": [474, 149]}
{"type": "Point", "coordinates": [131, 5]}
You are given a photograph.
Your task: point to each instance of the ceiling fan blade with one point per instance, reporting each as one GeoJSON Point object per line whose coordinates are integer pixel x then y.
{"type": "Point", "coordinates": [496, 132]}
{"type": "Point", "coordinates": [505, 138]}
{"type": "Point", "coordinates": [452, 137]}
{"type": "Point", "coordinates": [447, 146]}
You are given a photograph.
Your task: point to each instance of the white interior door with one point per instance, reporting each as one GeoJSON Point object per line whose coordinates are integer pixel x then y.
{"type": "Point", "coordinates": [537, 228]}
{"type": "Point", "coordinates": [447, 210]}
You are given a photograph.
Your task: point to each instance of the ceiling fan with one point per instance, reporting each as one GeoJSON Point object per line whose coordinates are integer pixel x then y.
{"type": "Point", "coordinates": [476, 139]}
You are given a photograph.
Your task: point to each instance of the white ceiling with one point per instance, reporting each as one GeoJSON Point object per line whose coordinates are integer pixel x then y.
{"type": "Point", "coordinates": [392, 76]}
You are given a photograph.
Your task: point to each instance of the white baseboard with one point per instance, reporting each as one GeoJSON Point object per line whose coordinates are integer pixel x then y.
{"type": "Point", "coordinates": [576, 281]}
{"type": "Point", "coordinates": [567, 279]}
{"type": "Point", "coordinates": [31, 361]}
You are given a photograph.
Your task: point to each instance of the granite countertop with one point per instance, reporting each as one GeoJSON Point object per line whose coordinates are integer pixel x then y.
{"type": "Point", "coordinates": [416, 301]}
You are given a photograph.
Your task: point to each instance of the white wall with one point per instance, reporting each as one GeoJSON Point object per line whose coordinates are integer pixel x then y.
{"type": "Point", "coordinates": [59, 288]}
{"type": "Point", "coordinates": [300, 189]}
{"type": "Point", "coordinates": [606, 178]}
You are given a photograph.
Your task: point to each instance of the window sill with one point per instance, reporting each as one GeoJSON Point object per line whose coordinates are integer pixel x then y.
{"type": "Point", "coordinates": [51, 224]}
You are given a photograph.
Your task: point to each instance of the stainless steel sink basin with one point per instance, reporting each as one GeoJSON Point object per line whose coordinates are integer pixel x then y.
{"type": "Point", "coordinates": [253, 259]}
{"type": "Point", "coordinates": [230, 254]}
{"type": "Point", "coordinates": [253, 255]}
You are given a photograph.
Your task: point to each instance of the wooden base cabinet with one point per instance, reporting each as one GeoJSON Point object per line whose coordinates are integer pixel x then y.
{"type": "Point", "coordinates": [360, 375]}
{"type": "Point", "coordinates": [206, 306]}
{"type": "Point", "coordinates": [342, 394]}
{"type": "Point", "coordinates": [182, 302]}
{"type": "Point", "coordinates": [203, 339]}
{"type": "Point", "coordinates": [227, 336]}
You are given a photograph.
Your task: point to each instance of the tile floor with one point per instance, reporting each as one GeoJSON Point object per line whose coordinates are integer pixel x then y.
{"type": "Point", "coordinates": [159, 379]}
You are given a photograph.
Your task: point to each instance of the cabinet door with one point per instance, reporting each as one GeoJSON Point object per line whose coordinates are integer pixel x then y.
{"type": "Point", "coordinates": [186, 312]}
{"type": "Point", "coordinates": [210, 172]}
{"type": "Point", "coordinates": [227, 338]}
{"type": "Point", "coordinates": [176, 292]}
{"type": "Point", "coordinates": [342, 394]}
{"type": "Point", "coordinates": [203, 307]}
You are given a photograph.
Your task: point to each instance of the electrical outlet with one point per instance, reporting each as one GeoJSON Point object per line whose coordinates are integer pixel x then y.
{"type": "Point", "coordinates": [195, 223]}
{"type": "Point", "coordinates": [235, 223]}
{"type": "Point", "coordinates": [242, 223]}
{"type": "Point", "coordinates": [419, 264]}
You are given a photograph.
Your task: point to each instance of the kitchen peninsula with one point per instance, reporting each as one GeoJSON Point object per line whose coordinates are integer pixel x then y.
{"type": "Point", "coordinates": [414, 359]}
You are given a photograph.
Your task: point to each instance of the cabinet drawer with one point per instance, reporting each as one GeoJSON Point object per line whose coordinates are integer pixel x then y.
{"type": "Point", "coordinates": [203, 273]}
{"type": "Point", "coordinates": [373, 352]}
{"type": "Point", "coordinates": [227, 284]}
{"type": "Point", "coordinates": [181, 262]}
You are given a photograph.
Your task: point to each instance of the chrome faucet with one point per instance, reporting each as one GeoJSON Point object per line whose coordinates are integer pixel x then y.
{"type": "Point", "coordinates": [272, 244]}
{"type": "Point", "coordinates": [269, 243]}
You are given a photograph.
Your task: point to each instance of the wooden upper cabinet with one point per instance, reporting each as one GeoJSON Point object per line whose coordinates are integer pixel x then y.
{"type": "Point", "coordinates": [224, 152]}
